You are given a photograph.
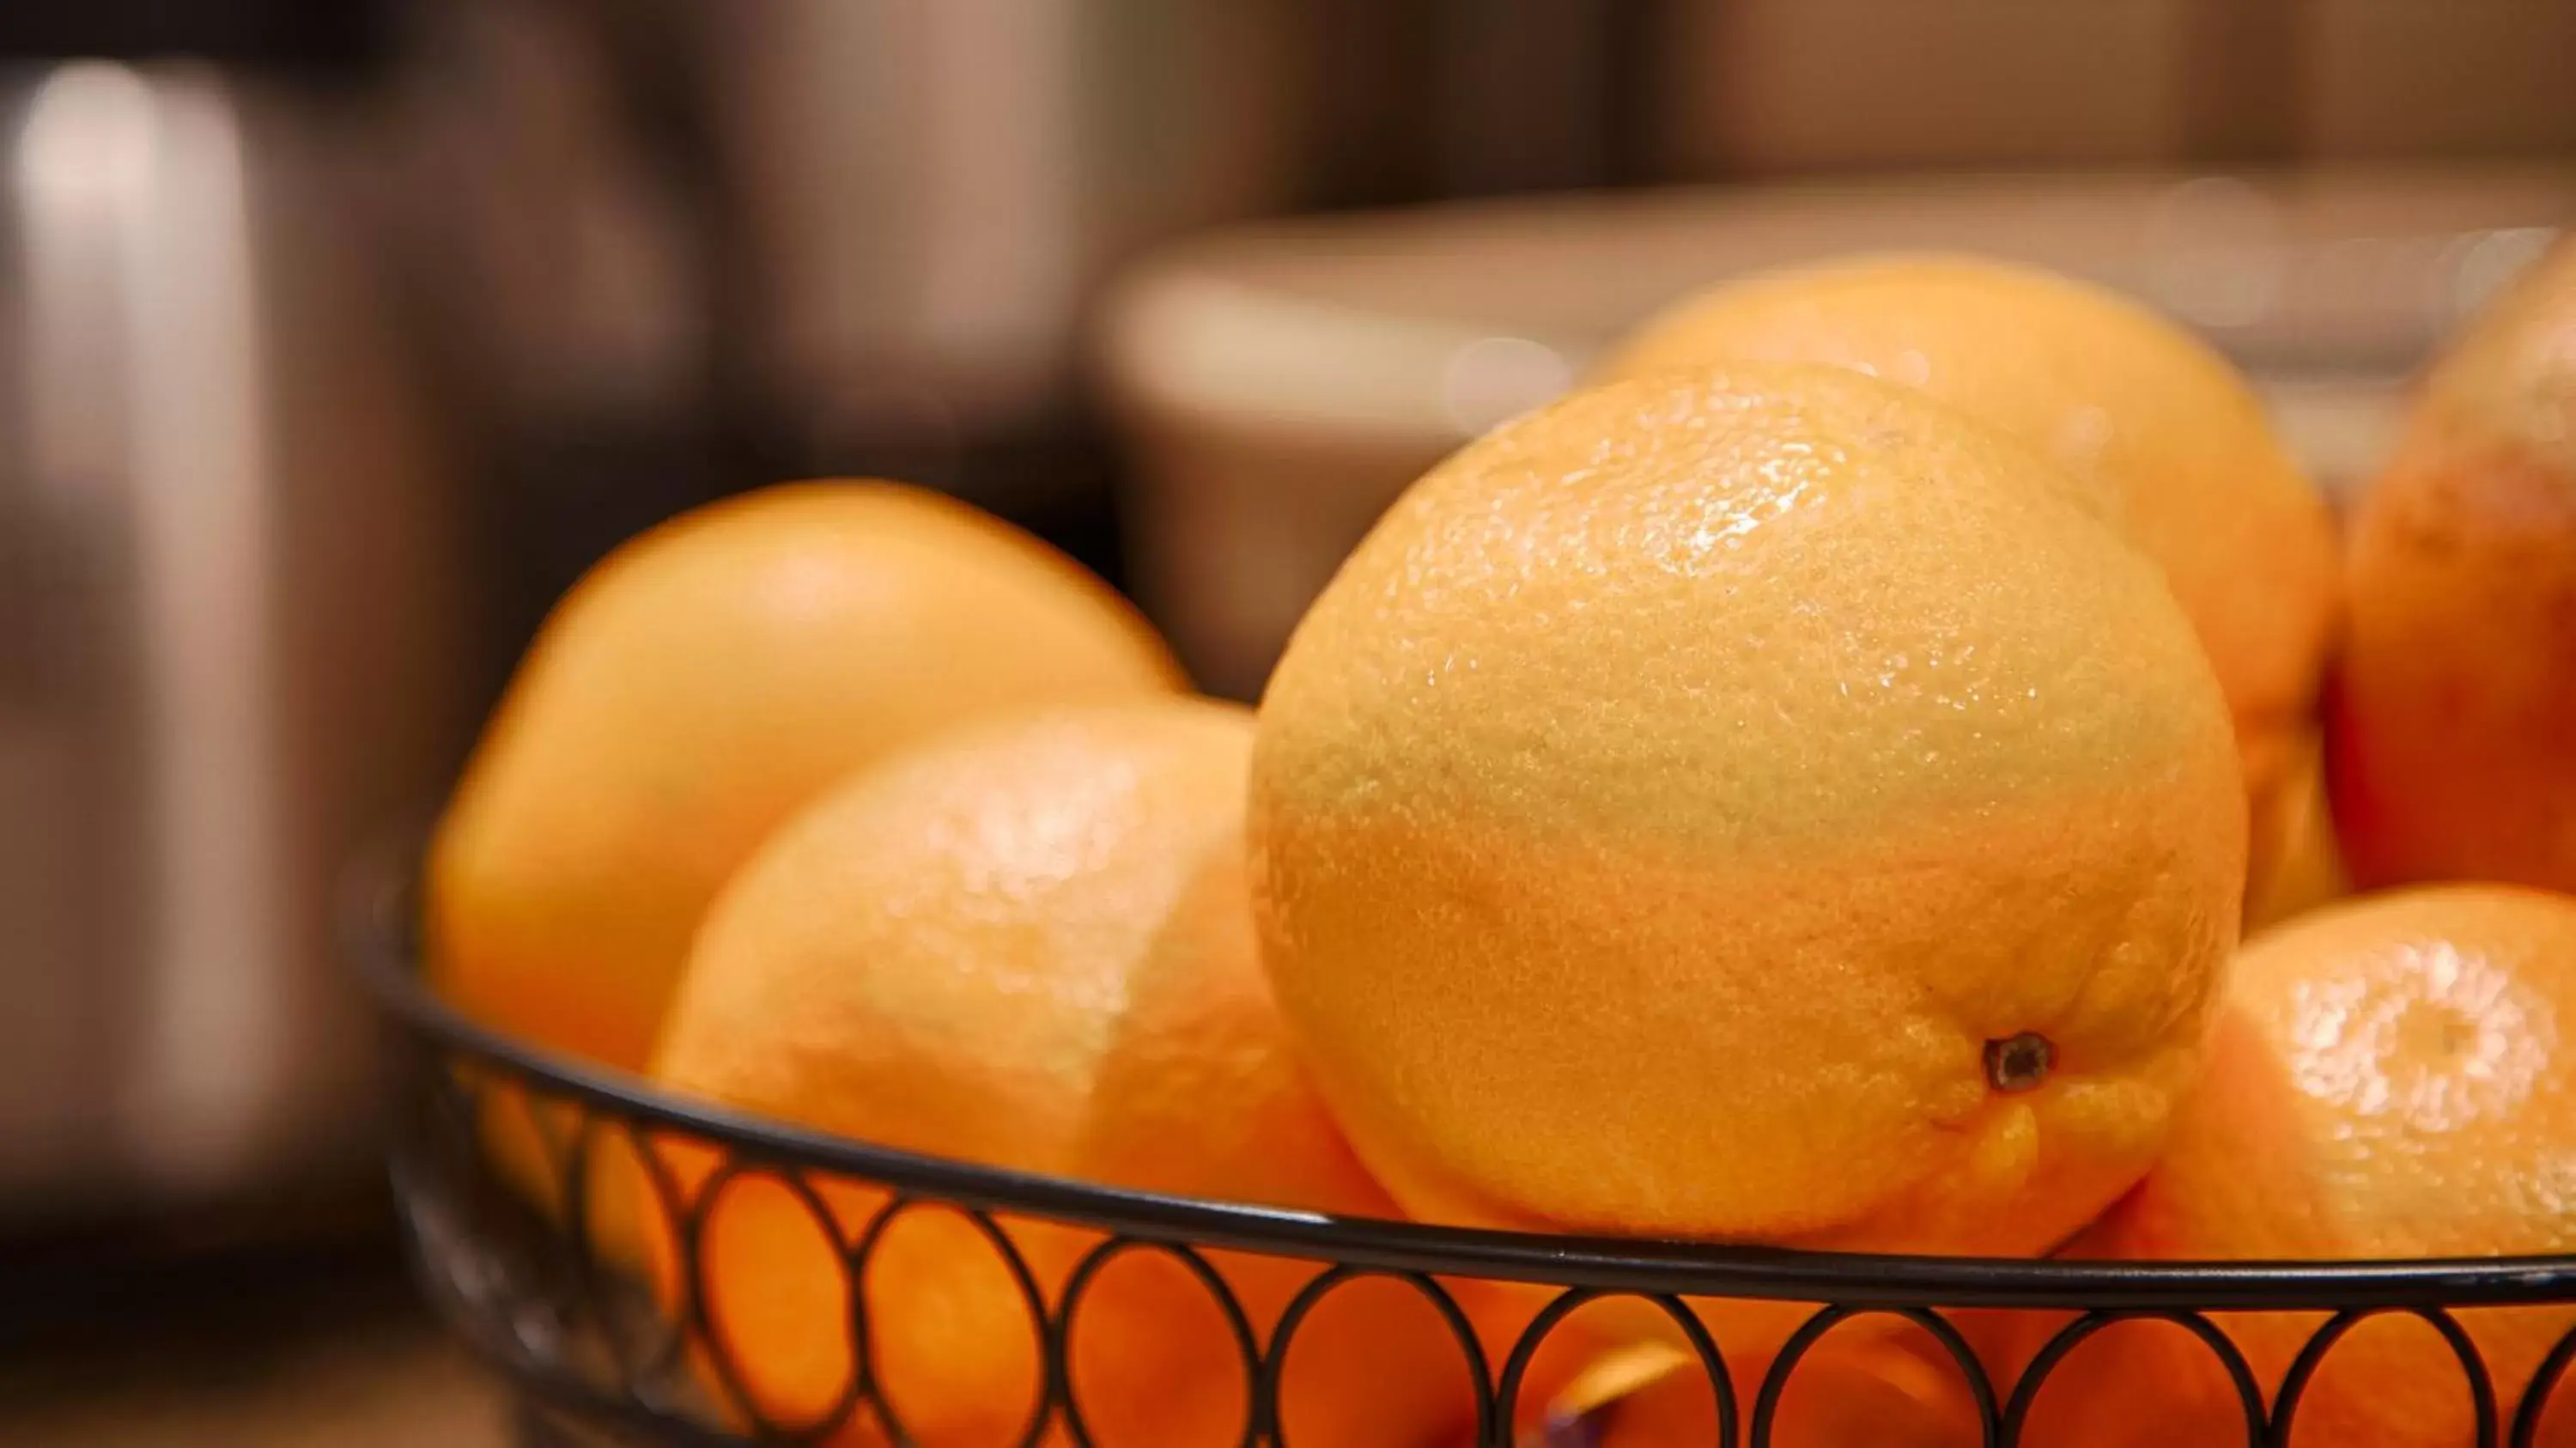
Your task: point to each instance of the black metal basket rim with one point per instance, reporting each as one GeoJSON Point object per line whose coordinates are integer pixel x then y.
{"type": "Point", "coordinates": [1605, 1265]}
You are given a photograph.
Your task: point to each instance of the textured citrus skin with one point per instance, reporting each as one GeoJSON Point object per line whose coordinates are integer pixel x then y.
{"type": "Point", "coordinates": [1668, 801]}
{"type": "Point", "coordinates": [2155, 420]}
{"type": "Point", "coordinates": [2395, 1077]}
{"type": "Point", "coordinates": [2453, 719]}
{"type": "Point", "coordinates": [697, 686]}
{"type": "Point", "coordinates": [1030, 945]}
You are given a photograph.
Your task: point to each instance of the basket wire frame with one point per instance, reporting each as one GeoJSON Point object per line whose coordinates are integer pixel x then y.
{"type": "Point", "coordinates": [607, 1357]}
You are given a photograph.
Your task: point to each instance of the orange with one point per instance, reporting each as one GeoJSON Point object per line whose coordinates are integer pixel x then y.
{"type": "Point", "coordinates": [2150, 417]}
{"type": "Point", "coordinates": [1753, 805]}
{"type": "Point", "coordinates": [1030, 946]}
{"type": "Point", "coordinates": [2308, 868]}
{"type": "Point", "coordinates": [697, 686]}
{"type": "Point", "coordinates": [2453, 720]}
{"type": "Point", "coordinates": [2398, 1079]}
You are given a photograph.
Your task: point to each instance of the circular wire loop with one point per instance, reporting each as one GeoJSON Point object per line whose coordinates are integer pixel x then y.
{"type": "Point", "coordinates": [2303, 1368]}
{"type": "Point", "coordinates": [1077, 1288]}
{"type": "Point", "coordinates": [1274, 1363]}
{"type": "Point", "coordinates": [2240, 1374]}
{"type": "Point", "coordinates": [2537, 1393]}
{"type": "Point", "coordinates": [861, 1256]}
{"type": "Point", "coordinates": [1784, 1365]}
{"type": "Point", "coordinates": [668, 1208]}
{"type": "Point", "coordinates": [717, 1343]}
{"type": "Point", "coordinates": [1695, 1333]}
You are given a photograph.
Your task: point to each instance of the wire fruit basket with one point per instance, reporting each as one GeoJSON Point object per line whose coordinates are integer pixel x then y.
{"type": "Point", "coordinates": [601, 1357]}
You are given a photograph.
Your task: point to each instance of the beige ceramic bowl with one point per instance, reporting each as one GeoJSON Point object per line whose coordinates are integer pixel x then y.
{"type": "Point", "coordinates": [1277, 387]}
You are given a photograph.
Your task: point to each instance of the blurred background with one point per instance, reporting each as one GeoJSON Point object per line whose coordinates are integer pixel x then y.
{"type": "Point", "coordinates": [336, 338]}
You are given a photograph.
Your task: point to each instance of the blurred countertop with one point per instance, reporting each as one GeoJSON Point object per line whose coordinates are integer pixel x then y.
{"type": "Point", "coordinates": [289, 1347]}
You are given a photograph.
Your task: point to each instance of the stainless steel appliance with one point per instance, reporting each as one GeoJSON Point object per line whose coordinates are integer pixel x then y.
{"type": "Point", "coordinates": [231, 622]}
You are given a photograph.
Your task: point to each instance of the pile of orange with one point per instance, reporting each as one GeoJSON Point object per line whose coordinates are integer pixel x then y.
{"type": "Point", "coordinates": [1804, 788]}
